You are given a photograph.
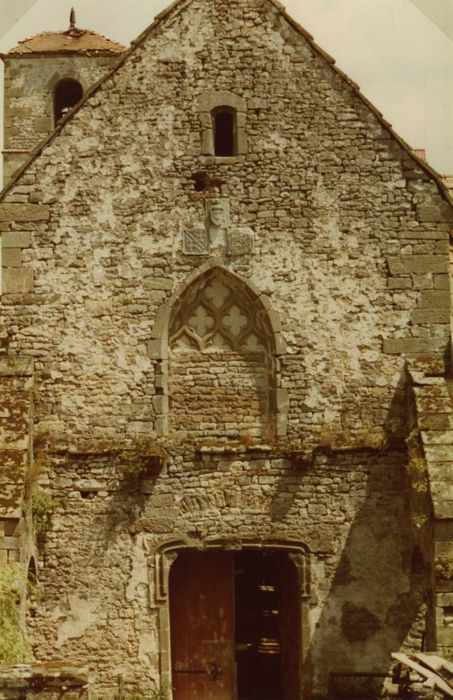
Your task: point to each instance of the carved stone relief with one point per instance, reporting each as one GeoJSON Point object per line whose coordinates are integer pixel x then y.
{"type": "Point", "coordinates": [196, 241]}
{"type": "Point", "coordinates": [218, 235]}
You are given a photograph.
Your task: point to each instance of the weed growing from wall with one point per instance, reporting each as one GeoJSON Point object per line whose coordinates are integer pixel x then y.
{"type": "Point", "coordinates": [42, 507]}
{"type": "Point", "coordinates": [13, 645]}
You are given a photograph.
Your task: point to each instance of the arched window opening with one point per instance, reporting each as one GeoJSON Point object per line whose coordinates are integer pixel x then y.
{"type": "Point", "coordinates": [221, 362]}
{"type": "Point", "coordinates": [224, 125]}
{"type": "Point", "coordinates": [32, 590]}
{"type": "Point", "coordinates": [67, 94]}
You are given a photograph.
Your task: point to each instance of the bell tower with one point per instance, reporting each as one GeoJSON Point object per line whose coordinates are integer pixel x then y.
{"type": "Point", "coordinates": [45, 76]}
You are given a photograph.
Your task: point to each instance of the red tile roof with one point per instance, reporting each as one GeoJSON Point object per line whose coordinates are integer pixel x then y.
{"type": "Point", "coordinates": [72, 41]}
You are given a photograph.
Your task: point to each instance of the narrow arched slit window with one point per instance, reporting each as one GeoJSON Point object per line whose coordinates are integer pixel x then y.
{"type": "Point", "coordinates": [67, 94]}
{"type": "Point", "coordinates": [224, 127]}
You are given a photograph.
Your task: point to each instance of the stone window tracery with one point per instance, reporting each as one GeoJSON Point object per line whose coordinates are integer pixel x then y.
{"type": "Point", "coordinates": [213, 319]}
{"type": "Point", "coordinates": [221, 361]}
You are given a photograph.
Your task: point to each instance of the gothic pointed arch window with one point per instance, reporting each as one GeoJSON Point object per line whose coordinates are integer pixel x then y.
{"type": "Point", "coordinates": [66, 95]}
{"type": "Point", "coordinates": [221, 361]}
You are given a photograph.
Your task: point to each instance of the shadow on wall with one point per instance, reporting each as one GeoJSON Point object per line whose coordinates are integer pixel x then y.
{"type": "Point", "coordinates": [372, 592]}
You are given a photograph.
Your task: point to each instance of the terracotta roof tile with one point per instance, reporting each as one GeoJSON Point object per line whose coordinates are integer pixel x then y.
{"type": "Point", "coordinates": [71, 41]}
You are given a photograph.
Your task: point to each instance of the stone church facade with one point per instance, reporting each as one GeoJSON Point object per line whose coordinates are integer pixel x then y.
{"type": "Point", "coordinates": [225, 361]}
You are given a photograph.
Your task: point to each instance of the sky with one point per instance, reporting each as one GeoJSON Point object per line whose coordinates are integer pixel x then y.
{"type": "Point", "coordinates": [11, 11]}
{"type": "Point", "coordinates": [400, 52]}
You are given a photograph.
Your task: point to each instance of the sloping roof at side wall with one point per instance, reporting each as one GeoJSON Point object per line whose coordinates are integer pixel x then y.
{"type": "Point", "coordinates": [178, 6]}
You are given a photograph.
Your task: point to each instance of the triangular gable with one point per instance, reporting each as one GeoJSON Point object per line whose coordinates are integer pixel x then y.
{"type": "Point", "coordinates": [178, 6]}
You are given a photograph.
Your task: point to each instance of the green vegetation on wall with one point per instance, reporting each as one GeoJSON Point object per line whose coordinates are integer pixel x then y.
{"type": "Point", "coordinates": [13, 645]}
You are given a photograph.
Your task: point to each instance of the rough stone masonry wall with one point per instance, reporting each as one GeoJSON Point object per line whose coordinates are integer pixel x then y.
{"type": "Point", "coordinates": [368, 588]}
{"type": "Point", "coordinates": [29, 85]}
{"type": "Point", "coordinates": [224, 395]}
{"type": "Point", "coordinates": [351, 235]}
{"type": "Point", "coordinates": [350, 250]}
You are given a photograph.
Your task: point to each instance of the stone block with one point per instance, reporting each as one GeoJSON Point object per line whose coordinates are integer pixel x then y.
{"type": "Point", "coordinates": [16, 239]}
{"type": "Point", "coordinates": [443, 548]}
{"type": "Point", "coordinates": [445, 636]}
{"type": "Point", "coordinates": [399, 283]}
{"type": "Point", "coordinates": [16, 366]}
{"type": "Point", "coordinates": [282, 400]}
{"type": "Point", "coordinates": [429, 213]}
{"type": "Point", "coordinates": [418, 264]}
{"type": "Point", "coordinates": [24, 212]}
{"type": "Point", "coordinates": [161, 284]}
{"type": "Point", "coordinates": [17, 280]}
{"type": "Point", "coordinates": [443, 509]}
{"type": "Point", "coordinates": [433, 299]}
{"type": "Point", "coordinates": [396, 346]}
{"type": "Point", "coordinates": [161, 322]}
{"type": "Point", "coordinates": [441, 282]}
{"type": "Point", "coordinates": [437, 437]}
{"type": "Point", "coordinates": [160, 404]}
{"type": "Point", "coordinates": [439, 453]}
{"type": "Point", "coordinates": [157, 350]}
{"type": "Point", "coordinates": [99, 307]}
{"type": "Point", "coordinates": [436, 422]}
{"type": "Point", "coordinates": [424, 235]}
{"type": "Point", "coordinates": [161, 425]}
{"type": "Point", "coordinates": [444, 599]}
{"type": "Point", "coordinates": [431, 316]}
{"type": "Point", "coordinates": [12, 257]}
{"type": "Point", "coordinates": [440, 471]}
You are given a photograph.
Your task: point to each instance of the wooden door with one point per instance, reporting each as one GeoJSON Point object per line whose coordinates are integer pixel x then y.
{"type": "Point", "coordinates": [290, 627]}
{"type": "Point", "coordinates": [202, 626]}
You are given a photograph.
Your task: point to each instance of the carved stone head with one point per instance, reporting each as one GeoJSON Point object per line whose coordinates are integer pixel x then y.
{"type": "Point", "coordinates": [218, 213]}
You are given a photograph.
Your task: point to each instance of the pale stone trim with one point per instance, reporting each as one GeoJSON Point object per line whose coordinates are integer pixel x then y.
{"type": "Point", "coordinates": [166, 555]}
{"type": "Point", "coordinates": [215, 99]}
{"type": "Point", "coordinates": [158, 347]}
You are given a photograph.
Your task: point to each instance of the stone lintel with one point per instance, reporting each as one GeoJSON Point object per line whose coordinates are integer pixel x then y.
{"type": "Point", "coordinates": [157, 350]}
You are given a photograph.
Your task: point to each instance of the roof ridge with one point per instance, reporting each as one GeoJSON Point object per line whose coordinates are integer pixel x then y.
{"type": "Point", "coordinates": [442, 187]}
